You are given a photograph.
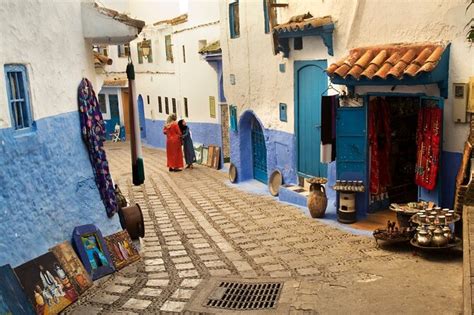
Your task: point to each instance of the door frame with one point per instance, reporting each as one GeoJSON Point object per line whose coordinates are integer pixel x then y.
{"type": "Point", "coordinates": [418, 95]}
{"type": "Point", "coordinates": [142, 128]}
{"type": "Point", "coordinates": [297, 66]}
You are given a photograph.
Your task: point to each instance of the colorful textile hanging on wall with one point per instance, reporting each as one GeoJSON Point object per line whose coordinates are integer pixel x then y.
{"type": "Point", "coordinates": [428, 143]}
{"type": "Point", "coordinates": [380, 145]}
{"type": "Point", "coordinates": [93, 134]}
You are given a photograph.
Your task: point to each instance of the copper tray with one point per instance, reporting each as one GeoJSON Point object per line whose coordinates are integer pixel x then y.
{"type": "Point", "coordinates": [457, 242]}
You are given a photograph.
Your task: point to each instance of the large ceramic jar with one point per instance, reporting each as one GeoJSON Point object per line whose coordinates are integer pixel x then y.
{"type": "Point", "coordinates": [317, 200]}
{"type": "Point", "coordinates": [438, 239]}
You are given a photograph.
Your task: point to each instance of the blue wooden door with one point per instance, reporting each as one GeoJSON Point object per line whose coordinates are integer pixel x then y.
{"type": "Point", "coordinates": [141, 116]}
{"type": "Point", "coordinates": [435, 194]}
{"type": "Point", "coordinates": [259, 153]}
{"type": "Point", "coordinates": [351, 148]}
{"type": "Point", "coordinates": [311, 81]}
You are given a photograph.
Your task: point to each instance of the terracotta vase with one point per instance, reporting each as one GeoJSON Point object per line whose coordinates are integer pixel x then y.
{"type": "Point", "coordinates": [317, 200]}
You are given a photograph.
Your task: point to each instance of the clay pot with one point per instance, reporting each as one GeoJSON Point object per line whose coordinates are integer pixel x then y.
{"type": "Point", "coordinates": [131, 219]}
{"type": "Point", "coordinates": [317, 200]}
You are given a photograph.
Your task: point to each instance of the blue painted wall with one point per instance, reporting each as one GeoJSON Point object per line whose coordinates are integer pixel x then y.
{"type": "Point", "coordinates": [46, 189]}
{"type": "Point", "coordinates": [281, 151]}
{"type": "Point", "coordinates": [450, 163]}
{"type": "Point", "coordinates": [205, 133]}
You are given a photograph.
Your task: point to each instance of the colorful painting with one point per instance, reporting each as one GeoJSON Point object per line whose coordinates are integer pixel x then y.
{"type": "Point", "coordinates": [12, 298]}
{"type": "Point", "coordinates": [121, 249]}
{"type": "Point", "coordinates": [198, 152]}
{"type": "Point", "coordinates": [46, 284]}
{"type": "Point", "coordinates": [92, 251]}
{"type": "Point", "coordinates": [216, 158]}
{"type": "Point", "coordinates": [210, 155]}
{"type": "Point", "coordinates": [72, 266]}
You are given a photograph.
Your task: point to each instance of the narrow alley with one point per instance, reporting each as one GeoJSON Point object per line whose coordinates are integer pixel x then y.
{"type": "Point", "coordinates": [200, 229]}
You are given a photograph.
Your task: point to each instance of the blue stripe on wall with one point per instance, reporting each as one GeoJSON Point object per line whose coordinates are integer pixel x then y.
{"type": "Point", "coordinates": [46, 189]}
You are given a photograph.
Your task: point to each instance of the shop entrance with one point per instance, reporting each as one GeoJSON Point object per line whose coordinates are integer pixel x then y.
{"type": "Point", "coordinates": [392, 150]}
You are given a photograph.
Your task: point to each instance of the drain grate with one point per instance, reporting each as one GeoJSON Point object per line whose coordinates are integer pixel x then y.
{"type": "Point", "coordinates": [245, 296]}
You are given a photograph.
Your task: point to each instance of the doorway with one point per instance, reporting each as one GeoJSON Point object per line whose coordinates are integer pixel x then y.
{"type": "Point", "coordinates": [259, 152]}
{"type": "Point", "coordinates": [310, 83]}
{"type": "Point", "coordinates": [141, 116]}
{"type": "Point", "coordinates": [126, 113]}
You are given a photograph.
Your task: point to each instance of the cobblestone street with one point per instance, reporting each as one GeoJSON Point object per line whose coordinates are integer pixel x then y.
{"type": "Point", "coordinates": [199, 228]}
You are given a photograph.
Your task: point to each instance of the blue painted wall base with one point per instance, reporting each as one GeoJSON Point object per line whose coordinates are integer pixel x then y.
{"type": "Point", "coordinates": [47, 188]}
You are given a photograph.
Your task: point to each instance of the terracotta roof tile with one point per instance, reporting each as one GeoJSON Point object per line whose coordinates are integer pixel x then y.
{"type": "Point", "coordinates": [395, 60]}
{"type": "Point", "coordinates": [173, 21]}
{"type": "Point", "coordinates": [212, 48]}
{"type": "Point", "coordinates": [101, 60]}
{"type": "Point", "coordinates": [302, 22]}
{"type": "Point", "coordinates": [123, 18]}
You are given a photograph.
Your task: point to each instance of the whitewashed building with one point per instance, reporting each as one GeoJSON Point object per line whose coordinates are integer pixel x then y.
{"type": "Point", "coordinates": [178, 69]}
{"type": "Point", "coordinates": [276, 98]}
{"type": "Point", "coordinates": [47, 185]}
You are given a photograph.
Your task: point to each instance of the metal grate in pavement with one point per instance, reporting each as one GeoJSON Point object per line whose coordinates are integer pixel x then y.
{"type": "Point", "coordinates": [245, 296]}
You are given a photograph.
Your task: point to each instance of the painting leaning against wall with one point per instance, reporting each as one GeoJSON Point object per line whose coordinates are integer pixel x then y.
{"type": "Point", "coordinates": [46, 284]}
{"type": "Point", "coordinates": [72, 266]}
{"type": "Point", "coordinates": [121, 249]}
{"type": "Point", "coordinates": [12, 298]}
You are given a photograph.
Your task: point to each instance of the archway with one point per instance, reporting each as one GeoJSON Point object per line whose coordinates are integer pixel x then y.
{"type": "Point", "coordinates": [253, 150]}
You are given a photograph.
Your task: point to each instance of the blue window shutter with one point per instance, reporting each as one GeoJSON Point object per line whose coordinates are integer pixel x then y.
{"type": "Point", "coordinates": [233, 117]}
{"type": "Point", "coordinates": [234, 23]}
{"type": "Point", "coordinates": [266, 16]}
{"type": "Point", "coordinates": [18, 96]}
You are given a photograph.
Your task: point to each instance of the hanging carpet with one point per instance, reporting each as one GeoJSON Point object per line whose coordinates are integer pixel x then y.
{"type": "Point", "coordinates": [93, 134]}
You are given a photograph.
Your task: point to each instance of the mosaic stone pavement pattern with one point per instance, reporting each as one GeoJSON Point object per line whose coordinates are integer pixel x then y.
{"type": "Point", "coordinates": [199, 228]}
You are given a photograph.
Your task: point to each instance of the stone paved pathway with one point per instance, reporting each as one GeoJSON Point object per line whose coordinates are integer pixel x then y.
{"type": "Point", "coordinates": [199, 227]}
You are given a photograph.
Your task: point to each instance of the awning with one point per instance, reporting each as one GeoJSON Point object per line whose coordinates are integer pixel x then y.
{"type": "Point", "coordinates": [304, 25]}
{"type": "Point", "coordinates": [394, 64]}
{"type": "Point", "coordinates": [105, 26]}
{"type": "Point", "coordinates": [115, 82]}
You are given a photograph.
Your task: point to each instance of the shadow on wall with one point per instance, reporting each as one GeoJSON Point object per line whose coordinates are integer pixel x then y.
{"type": "Point", "coordinates": [280, 148]}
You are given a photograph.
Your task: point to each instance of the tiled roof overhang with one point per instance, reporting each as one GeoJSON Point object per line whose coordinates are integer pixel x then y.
{"type": "Point", "coordinates": [320, 26]}
{"type": "Point", "coordinates": [395, 64]}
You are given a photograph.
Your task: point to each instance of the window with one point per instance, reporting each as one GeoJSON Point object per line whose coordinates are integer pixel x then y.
{"type": "Point", "coordinates": [212, 106]}
{"type": "Point", "coordinates": [167, 108]}
{"type": "Point", "coordinates": [147, 50]}
{"type": "Point", "coordinates": [186, 114]}
{"type": "Point", "coordinates": [298, 43]}
{"type": "Point", "coordinates": [18, 96]}
{"type": "Point", "coordinates": [103, 104]}
{"type": "Point", "coordinates": [148, 99]}
{"type": "Point", "coordinates": [160, 106]}
{"type": "Point", "coordinates": [234, 19]}
{"type": "Point", "coordinates": [123, 50]}
{"type": "Point", "coordinates": [283, 112]}
{"type": "Point", "coordinates": [233, 117]}
{"type": "Point", "coordinates": [169, 48]}
{"type": "Point", "coordinates": [173, 101]}
{"type": "Point", "coordinates": [184, 54]}
{"type": "Point", "coordinates": [270, 14]}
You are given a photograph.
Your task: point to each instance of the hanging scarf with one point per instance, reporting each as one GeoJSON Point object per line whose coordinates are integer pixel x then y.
{"type": "Point", "coordinates": [93, 134]}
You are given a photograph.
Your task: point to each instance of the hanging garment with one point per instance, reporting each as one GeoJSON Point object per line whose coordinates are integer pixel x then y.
{"type": "Point", "coordinates": [174, 154]}
{"type": "Point", "coordinates": [93, 134]}
{"type": "Point", "coordinates": [428, 143]}
{"type": "Point", "coordinates": [380, 145]}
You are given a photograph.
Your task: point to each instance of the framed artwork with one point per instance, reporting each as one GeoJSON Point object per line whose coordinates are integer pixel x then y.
{"type": "Point", "coordinates": [121, 249]}
{"type": "Point", "coordinates": [46, 284]}
{"type": "Point", "coordinates": [205, 153]}
{"type": "Point", "coordinates": [198, 153]}
{"type": "Point", "coordinates": [13, 299]}
{"type": "Point", "coordinates": [216, 158]}
{"type": "Point", "coordinates": [73, 267]}
{"type": "Point", "coordinates": [210, 155]}
{"type": "Point", "coordinates": [90, 246]}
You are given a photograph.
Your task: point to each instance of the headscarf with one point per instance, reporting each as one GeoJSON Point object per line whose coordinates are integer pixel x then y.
{"type": "Point", "coordinates": [171, 118]}
{"type": "Point", "coordinates": [181, 125]}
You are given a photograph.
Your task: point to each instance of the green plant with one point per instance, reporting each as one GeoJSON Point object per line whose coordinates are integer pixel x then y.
{"type": "Point", "coordinates": [470, 25]}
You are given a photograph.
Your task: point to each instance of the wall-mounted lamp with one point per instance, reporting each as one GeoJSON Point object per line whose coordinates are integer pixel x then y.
{"type": "Point", "coordinates": [146, 45]}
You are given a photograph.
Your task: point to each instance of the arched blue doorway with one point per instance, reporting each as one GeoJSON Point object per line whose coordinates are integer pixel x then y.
{"type": "Point", "coordinates": [141, 116]}
{"type": "Point", "coordinates": [253, 150]}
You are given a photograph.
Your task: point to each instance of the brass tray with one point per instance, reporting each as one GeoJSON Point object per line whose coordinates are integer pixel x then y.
{"type": "Point", "coordinates": [457, 242]}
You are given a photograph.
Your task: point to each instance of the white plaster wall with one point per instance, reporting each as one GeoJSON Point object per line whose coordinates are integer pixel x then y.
{"type": "Point", "coordinates": [260, 86]}
{"type": "Point", "coordinates": [54, 50]}
{"type": "Point", "coordinates": [196, 79]}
